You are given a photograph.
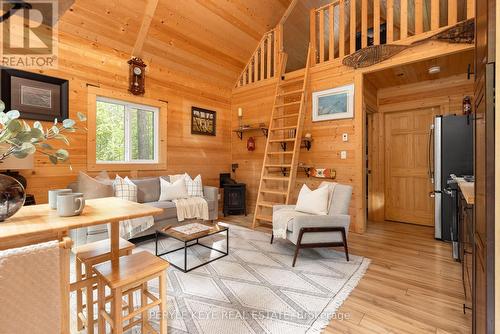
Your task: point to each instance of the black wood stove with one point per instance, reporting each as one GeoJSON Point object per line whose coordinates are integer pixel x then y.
{"type": "Point", "coordinates": [234, 195]}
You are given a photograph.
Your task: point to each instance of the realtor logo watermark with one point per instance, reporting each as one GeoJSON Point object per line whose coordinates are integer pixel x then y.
{"type": "Point", "coordinates": [29, 34]}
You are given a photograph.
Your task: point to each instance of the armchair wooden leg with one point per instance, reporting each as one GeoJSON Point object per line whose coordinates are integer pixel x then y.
{"type": "Point", "coordinates": [297, 248]}
{"type": "Point", "coordinates": [344, 239]}
{"type": "Point", "coordinates": [272, 238]}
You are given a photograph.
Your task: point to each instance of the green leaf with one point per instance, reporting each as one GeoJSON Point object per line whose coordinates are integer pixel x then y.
{"type": "Point", "coordinates": [81, 117]}
{"type": "Point", "coordinates": [68, 123]}
{"type": "Point", "coordinates": [13, 114]}
{"type": "Point", "coordinates": [2, 106]}
{"type": "Point", "coordinates": [14, 125]}
{"type": "Point", "coordinates": [38, 125]}
{"type": "Point", "coordinates": [55, 130]}
{"type": "Point", "coordinates": [24, 150]}
{"type": "Point", "coordinates": [36, 133]}
{"type": "Point", "coordinates": [62, 154]}
{"type": "Point", "coordinates": [46, 146]}
{"type": "Point", "coordinates": [53, 159]}
{"type": "Point", "coordinates": [3, 118]}
{"type": "Point", "coordinates": [23, 136]}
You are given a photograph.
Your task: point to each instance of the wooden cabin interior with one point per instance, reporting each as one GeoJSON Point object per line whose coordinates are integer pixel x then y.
{"type": "Point", "coordinates": [248, 166]}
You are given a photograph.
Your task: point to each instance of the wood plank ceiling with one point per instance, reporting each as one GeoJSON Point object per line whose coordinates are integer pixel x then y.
{"type": "Point", "coordinates": [454, 64]}
{"type": "Point", "coordinates": [209, 40]}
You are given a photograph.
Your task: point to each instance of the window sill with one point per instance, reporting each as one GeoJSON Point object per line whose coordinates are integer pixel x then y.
{"type": "Point", "coordinates": [126, 166]}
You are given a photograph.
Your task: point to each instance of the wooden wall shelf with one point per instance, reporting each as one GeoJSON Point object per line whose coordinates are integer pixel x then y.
{"type": "Point", "coordinates": [240, 131]}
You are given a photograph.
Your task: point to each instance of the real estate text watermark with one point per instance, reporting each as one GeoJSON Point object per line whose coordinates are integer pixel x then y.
{"type": "Point", "coordinates": [29, 34]}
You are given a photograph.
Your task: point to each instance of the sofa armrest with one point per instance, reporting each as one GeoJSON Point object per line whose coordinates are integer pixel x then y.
{"type": "Point", "coordinates": [282, 206]}
{"type": "Point", "coordinates": [336, 220]}
{"type": "Point", "coordinates": [212, 194]}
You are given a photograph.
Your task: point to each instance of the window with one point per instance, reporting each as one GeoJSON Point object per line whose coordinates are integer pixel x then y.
{"type": "Point", "coordinates": [125, 132]}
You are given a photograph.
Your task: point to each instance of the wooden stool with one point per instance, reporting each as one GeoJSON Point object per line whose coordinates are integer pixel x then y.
{"type": "Point", "coordinates": [131, 273]}
{"type": "Point", "coordinates": [86, 256]}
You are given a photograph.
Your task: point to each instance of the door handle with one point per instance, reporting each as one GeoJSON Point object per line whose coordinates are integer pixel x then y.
{"type": "Point", "coordinates": [429, 155]}
{"type": "Point", "coordinates": [432, 194]}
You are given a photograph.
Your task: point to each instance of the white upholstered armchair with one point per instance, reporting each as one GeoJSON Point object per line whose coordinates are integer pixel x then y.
{"type": "Point", "coordinates": [313, 231]}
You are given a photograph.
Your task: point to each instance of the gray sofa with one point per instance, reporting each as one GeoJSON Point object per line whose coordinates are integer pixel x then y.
{"type": "Point", "coordinates": [148, 192]}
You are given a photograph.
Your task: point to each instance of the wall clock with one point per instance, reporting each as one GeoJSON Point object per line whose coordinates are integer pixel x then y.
{"type": "Point", "coordinates": [137, 76]}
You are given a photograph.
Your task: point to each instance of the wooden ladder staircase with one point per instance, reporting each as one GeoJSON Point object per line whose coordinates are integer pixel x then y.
{"type": "Point", "coordinates": [281, 156]}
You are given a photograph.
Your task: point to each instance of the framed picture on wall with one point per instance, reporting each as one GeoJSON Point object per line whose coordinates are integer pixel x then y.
{"type": "Point", "coordinates": [335, 103]}
{"type": "Point", "coordinates": [203, 121]}
{"type": "Point", "coordinates": [37, 97]}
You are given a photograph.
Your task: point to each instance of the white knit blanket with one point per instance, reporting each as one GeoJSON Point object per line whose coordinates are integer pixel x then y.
{"type": "Point", "coordinates": [281, 218]}
{"type": "Point", "coordinates": [130, 227]}
{"type": "Point", "coordinates": [191, 208]}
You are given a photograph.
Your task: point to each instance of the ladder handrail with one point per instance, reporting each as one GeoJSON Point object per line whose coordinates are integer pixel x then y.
{"type": "Point", "coordinates": [281, 66]}
{"type": "Point", "coordinates": [300, 124]}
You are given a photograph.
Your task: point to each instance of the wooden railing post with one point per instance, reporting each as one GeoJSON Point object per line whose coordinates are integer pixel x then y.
{"type": "Point", "coordinates": [331, 33]}
{"type": "Point", "coordinates": [312, 35]}
{"type": "Point", "coordinates": [342, 29]}
{"type": "Point", "coordinates": [376, 22]}
{"type": "Point", "coordinates": [403, 19]}
{"type": "Point", "coordinates": [390, 20]}
{"type": "Point", "coordinates": [419, 18]}
{"type": "Point", "coordinates": [364, 23]}
{"type": "Point", "coordinates": [434, 14]}
{"type": "Point", "coordinates": [352, 27]}
{"type": "Point", "coordinates": [452, 12]}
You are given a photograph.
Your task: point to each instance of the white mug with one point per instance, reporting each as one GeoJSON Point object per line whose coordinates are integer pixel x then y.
{"type": "Point", "coordinates": [53, 196]}
{"type": "Point", "coordinates": [70, 204]}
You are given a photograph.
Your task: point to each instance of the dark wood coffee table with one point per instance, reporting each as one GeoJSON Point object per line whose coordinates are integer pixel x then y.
{"type": "Point", "coordinates": [188, 239]}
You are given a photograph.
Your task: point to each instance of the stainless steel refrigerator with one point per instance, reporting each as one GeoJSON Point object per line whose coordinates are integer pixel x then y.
{"type": "Point", "coordinates": [450, 152]}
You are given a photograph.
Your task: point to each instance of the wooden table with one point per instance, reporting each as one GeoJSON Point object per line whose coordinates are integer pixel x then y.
{"type": "Point", "coordinates": [38, 223]}
{"type": "Point", "coordinates": [467, 189]}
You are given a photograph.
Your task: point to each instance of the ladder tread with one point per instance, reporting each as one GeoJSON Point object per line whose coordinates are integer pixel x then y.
{"type": "Point", "coordinates": [284, 128]}
{"type": "Point", "coordinates": [268, 204]}
{"type": "Point", "coordinates": [264, 217]}
{"type": "Point", "coordinates": [278, 166]}
{"type": "Point", "coordinates": [287, 104]}
{"type": "Point", "coordinates": [292, 92]}
{"type": "Point", "coordinates": [276, 192]}
{"type": "Point", "coordinates": [276, 178]}
{"type": "Point", "coordinates": [280, 152]}
{"type": "Point", "coordinates": [291, 81]}
{"type": "Point", "coordinates": [286, 116]}
{"type": "Point", "coordinates": [284, 140]}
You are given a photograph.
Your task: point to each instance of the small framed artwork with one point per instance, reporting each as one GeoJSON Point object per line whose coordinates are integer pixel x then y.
{"type": "Point", "coordinates": [37, 97]}
{"type": "Point", "coordinates": [203, 121]}
{"type": "Point", "coordinates": [335, 103]}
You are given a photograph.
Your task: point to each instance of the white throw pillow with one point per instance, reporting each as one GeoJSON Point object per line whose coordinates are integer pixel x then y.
{"type": "Point", "coordinates": [171, 191]}
{"type": "Point", "coordinates": [194, 187]}
{"type": "Point", "coordinates": [125, 189]}
{"type": "Point", "coordinates": [313, 201]}
{"type": "Point", "coordinates": [175, 177]}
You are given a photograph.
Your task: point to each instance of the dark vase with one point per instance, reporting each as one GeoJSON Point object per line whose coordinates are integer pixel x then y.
{"type": "Point", "coordinates": [12, 196]}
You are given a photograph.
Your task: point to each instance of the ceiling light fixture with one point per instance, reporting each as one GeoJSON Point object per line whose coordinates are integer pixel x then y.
{"type": "Point", "coordinates": [434, 69]}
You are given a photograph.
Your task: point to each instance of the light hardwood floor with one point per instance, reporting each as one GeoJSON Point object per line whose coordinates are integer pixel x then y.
{"type": "Point", "coordinates": [412, 285]}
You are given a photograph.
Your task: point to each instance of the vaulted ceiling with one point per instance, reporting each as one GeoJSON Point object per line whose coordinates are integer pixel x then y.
{"type": "Point", "coordinates": [207, 39]}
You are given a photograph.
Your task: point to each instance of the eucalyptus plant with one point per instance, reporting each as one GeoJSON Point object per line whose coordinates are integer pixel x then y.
{"type": "Point", "coordinates": [19, 139]}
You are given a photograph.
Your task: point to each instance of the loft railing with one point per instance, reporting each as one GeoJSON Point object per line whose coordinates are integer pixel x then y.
{"type": "Point", "coordinates": [264, 61]}
{"type": "Point", "coordinates": [339, 28]}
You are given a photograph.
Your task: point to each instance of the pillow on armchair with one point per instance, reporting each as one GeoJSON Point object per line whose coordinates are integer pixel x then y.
{"type": "Point", "coordinates": [313, 201]}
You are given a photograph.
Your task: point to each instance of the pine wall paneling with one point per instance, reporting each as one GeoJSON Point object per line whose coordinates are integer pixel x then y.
{"type": "Point", "coordinates": [257, 100]}
{"type": "Point", "coordinates": [85, 63]}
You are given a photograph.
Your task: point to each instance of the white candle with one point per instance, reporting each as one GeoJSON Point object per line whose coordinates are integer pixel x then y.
{"type": "Point", "coordinates": [240, 112]}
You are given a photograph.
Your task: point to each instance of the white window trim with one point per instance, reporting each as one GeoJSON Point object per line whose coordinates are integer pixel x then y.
{"type": "Point", "coordinates": [128, 106]}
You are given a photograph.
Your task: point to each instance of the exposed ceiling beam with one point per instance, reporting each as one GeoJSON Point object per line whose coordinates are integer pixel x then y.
{"type": "Point", "coordinates": [64, 5]}
{"type": "Point", "coordinates": [288, 11]}
{"type": "Point", "coordinates": [143, 32]}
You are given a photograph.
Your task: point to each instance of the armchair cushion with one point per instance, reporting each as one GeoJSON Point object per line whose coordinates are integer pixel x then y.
{"type": "Point", "coordinates": [336, 220]}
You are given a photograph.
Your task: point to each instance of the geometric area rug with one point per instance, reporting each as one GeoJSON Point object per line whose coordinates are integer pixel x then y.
{"type": "Point", "coordinates": [255, 289]}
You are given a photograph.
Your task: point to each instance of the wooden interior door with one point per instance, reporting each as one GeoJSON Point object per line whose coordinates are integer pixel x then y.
{"type": "Point", "coordinates": [407, 182]}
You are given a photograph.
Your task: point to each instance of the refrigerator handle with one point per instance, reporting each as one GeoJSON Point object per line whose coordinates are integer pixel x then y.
{"type": "Point", "coordinates": [430, 158]}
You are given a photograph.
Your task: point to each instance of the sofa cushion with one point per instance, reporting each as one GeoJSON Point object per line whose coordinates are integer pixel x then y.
{"type": "Point", "coordinates": [97, 187]}
{"type": "Point", "coordinates": [169, 210]}
{"type": "Point", "coordinates": [148, 190]}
